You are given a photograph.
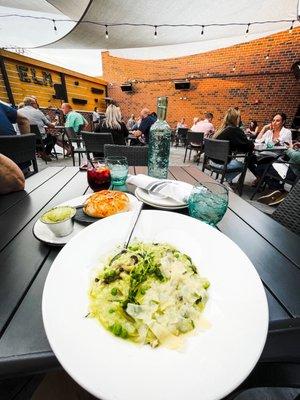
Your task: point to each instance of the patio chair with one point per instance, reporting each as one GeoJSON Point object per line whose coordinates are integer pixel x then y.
{"type": "Point", "coordinates": [20, 148]}
{"type": "Point", "coordinates": [136, 155]}
{"type": "Point", "coordinates": [39, 140]}
{"type": "Point", "coordinates": [218, 151]}
{"type": "Point", "coordinates": [194, 141]}
{"type": "Point", "coordinates": [72, 138]}
{"type": "Point", "coordinates": [182, 134]}
{"type": "Point", "coordinates": [268, 174]}
{"type": "Point", "coordinates": [94, 142]}
{"type": "Point", "coordinates": [288, 212]}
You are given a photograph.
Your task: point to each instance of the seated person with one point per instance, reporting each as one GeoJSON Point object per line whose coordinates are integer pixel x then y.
{"type": "Point", "coordinates": [137, 124]}
{"type": "Point", "coordinates": [279, 171]}
{"type": "Point", "coordinates": [252, 130]}
{"type": "Point", "coordinates": [95, 116]}
{"type": "Point", "coordinates": [11, 177]}
{"type": "Point", "coordinates": [113, 124]}
{"type": "Point", "coordinates": [195, 121]}
{"type": "Point", "coordinates": [10, 116]}
{"type": "Point", "coordinates": [205, 125]}
{"type": "Point", "coordinates": [181, 124]}
{"type": "Point", "coordinates": [238, 142]}
{"type": "Point", "coordinates": [142, 134]}
{"type": "Point", "coordinates": [37, 117]}
{"type": "Point", "coordinates": [73, 119]}
{"type": "Point", "coordinates": [276, 131]}
{"type": "Point", "coordinates": [131, 122]}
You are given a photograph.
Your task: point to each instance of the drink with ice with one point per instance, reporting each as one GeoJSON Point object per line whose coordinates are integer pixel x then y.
{"type": "Point", "coordinates": [118, 170]}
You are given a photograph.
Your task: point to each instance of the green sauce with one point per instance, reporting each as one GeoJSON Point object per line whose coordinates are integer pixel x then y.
{"type": "Point", "coordinates": [58, 214]}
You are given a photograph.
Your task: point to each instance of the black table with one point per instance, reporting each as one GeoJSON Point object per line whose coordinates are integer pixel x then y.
{"type": "Point", "coordinates": [25, 262]}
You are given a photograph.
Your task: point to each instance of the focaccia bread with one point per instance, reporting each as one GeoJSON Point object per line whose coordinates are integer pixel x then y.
{"type": "Point", "coordinates": [105, 203]}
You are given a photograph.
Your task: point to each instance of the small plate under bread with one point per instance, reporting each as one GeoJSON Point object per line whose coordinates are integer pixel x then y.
{"type": "Point", "coordinates": [42, 233]}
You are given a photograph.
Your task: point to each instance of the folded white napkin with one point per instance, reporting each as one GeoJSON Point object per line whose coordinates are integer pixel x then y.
{"type": "Point", "coordinates": [176, 190]}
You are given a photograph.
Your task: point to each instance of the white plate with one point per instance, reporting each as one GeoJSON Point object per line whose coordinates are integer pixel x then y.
{"type": "Point", "coordinates": [158, 202]}
{"type": "Point", "coordinates": [41, 232]}
{"type": "Point", "coordinates": [213, 362]}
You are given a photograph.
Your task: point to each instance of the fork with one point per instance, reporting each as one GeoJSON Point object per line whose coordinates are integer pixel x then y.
{"type": "Point", "coordinates": [155, 187]}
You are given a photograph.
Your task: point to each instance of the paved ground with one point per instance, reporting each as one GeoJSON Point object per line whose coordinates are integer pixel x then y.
{"type": "Point", "coordinates": [176, 158]}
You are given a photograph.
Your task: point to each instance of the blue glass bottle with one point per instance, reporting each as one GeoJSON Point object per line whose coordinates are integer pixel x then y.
{"type": "Point", "coordinates": [159, 142]}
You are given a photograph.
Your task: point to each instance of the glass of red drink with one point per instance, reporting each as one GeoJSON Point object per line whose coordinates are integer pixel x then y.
{"type": "Point", "coordinates": [98, 174]}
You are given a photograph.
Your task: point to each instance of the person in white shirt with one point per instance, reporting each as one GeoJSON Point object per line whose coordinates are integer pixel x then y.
{"type": "Point", "coordinates": [195, 121]}
{"type": "Point", "coordinates": [275, 132]}
{"type": "Point", "coordinates": [181, 124]}
{"type": "Point", "coordinates": [96, 116]}
{"type": "Point", "coordinates": [205, 125]}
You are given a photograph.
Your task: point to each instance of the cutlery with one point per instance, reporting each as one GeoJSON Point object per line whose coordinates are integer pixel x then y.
{"type": "Point", "coordinates": [155, 188]}
{"type": "Point", "coordinates": [128, 236]}
{"type": "Point", "coordinates": [134, 221]}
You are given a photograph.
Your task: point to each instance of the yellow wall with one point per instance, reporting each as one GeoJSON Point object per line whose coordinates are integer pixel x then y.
{"type": "Point", "coordinates": [83, 91]}
{"type": "Point", "coordinates": [21, 89]}
{"type": "Point", "coordinates": [3, 94]}
{"type": "Point", "coordinates": [43, 90]}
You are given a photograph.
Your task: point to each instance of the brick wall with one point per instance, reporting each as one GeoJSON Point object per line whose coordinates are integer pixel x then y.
{"type": "Point", "coordinates": [255, 76]}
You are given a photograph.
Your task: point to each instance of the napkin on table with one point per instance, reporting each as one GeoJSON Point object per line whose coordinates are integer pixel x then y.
{"type": "Point", "coordinates": [176, 190]}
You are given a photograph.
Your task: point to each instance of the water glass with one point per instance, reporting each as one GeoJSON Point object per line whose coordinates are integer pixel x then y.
{"type": "Point", "coordinates": [208, 202]}
{"type": "Point", "coordinates": [118, 170]}
{"type": "Point", "coordinates": [98, 174]}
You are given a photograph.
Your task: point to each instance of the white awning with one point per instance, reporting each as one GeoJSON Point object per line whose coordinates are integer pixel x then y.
{"type": "Point", "coordinates": [87, 34]}
{"type": "Point", "coordinates": [139, 42]}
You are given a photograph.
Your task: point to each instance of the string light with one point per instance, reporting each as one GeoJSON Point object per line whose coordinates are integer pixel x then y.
{"type": "Point", "coordinates": [151, 25]}
{"type": "Point", "coordinates": [267, 56]}
{"type": "Point", "coordinates": [292, 26]}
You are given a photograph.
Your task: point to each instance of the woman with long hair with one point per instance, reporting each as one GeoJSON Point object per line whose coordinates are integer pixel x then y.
{"type": "Point", "coordinates": [113, 124]}
{"type": "Point", "coordinates": [238, 142]}
{"type": "Point", "coordinates": [276, 132]}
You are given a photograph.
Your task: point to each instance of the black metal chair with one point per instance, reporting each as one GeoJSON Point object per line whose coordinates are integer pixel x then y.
{"type": "Point", "coordinates": [219, 152]}
{"type": "Point", "coordinates": [136, 155]}
{"type": "Point", "coordinates": [20, 148]}
{"type": "Point", "coordinates": [194, 141]}
{"type": "Point", "coordinates": [288, 212]}
{"type": "Point", "coordinates": [72, 138]}
{"type": "Point", "coordinates": [94, 142]}
{"type": "Point", "coordinates": [181, 135]}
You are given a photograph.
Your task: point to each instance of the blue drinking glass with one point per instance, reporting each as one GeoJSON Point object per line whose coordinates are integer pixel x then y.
{"type": "Point", "coordinates": [208, 202]}
{"type": "Point", "coordinates": [118, 170]}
